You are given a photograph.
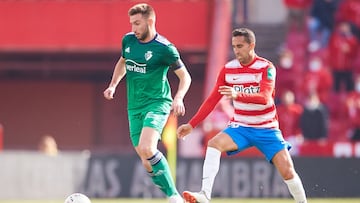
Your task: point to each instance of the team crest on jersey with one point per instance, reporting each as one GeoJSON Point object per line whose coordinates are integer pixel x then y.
{"type": "Point", "coordinates": [148, 55]}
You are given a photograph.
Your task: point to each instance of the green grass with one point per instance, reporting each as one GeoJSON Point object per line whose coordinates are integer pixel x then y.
{"type": "Point", "coordinates": [263, 200]}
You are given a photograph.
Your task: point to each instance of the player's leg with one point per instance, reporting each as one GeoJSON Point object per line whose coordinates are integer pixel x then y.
{"type": "Point", "coordinates": [210, 169]}
{"type": "Point", "coordinates": [153, 160]}
{"type": "Point", "coordinates": [154, 123]}
{"type": "Point", "coordinates": [222, 142]}
{"type": "Point", "coordinates": [284, 164]}
{"type": "Point", "coordinates": [272, 144]}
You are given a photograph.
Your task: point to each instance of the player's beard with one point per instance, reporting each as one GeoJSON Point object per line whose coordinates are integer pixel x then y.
{"type": "Point", "coordinates": [144, 35]}
{"type": "Point", "coordinates": [244, 59]}
{"type": "Point", "coordinates": [241, 59]}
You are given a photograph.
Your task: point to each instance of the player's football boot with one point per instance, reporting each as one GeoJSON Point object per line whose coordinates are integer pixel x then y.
{"type": "Point", "coordinates": [176, 199]}
{"type": "Point", "coordinates": [195, 197]}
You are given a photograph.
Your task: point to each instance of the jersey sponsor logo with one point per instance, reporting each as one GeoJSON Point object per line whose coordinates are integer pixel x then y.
{"type": "Point", "coordinates": [249, 90]}
{"type": "Point", "coordinates": [135, 67]}
{"type": "Point", "coordinates": [127, 50]}
{"type": "Point", "coordinates": [148, 55]}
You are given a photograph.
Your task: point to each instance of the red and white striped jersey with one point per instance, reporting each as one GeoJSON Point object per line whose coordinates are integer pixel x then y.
{"type": "Point", "coordinates": [254, 83]}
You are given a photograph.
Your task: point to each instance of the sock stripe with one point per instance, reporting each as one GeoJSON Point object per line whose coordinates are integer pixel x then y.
{"type": "Point", "coordinates": [156, 158]}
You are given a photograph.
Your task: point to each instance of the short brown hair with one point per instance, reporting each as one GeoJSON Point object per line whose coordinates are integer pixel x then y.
{"type": "Point", "coordinates": [248, 34]}
{"type": "Point", "coordinates": [144, 9]}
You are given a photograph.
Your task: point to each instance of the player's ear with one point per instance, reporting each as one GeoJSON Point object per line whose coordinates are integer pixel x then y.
{"type": "Point", "coordinates": [151, 21]}
{"type": "Point", "coordinates": [252, 45]}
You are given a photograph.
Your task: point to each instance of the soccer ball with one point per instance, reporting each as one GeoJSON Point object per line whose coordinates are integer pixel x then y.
{"type": "Point", "coordinates": [77, 198]}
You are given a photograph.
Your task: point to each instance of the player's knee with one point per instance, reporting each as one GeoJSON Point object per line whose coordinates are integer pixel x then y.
{"type": "Point", "coordinates": [145, 151]}
{"type": "Point", "coordinates": [288, 174]}
{"type": "Point", "coordinates": [216, 143]}
{"type": "Point", "coordinates": [222, 142]}
{"type": "Point", "coordinates": [212, 143]}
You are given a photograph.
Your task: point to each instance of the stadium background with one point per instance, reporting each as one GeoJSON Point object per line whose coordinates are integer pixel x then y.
{"type": "Point", "coordinates": [57, 57]}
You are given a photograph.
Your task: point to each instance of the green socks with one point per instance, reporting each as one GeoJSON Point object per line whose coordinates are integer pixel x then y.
{"type": "Point", "coordinates": [161, 174]}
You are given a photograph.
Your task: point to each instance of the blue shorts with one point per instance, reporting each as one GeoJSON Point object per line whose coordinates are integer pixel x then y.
{"type": "Point", "coordinates": [268, 140]}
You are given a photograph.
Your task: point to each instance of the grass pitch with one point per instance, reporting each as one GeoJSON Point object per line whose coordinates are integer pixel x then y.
{"type": "Point", "coordinates": [215, 200]}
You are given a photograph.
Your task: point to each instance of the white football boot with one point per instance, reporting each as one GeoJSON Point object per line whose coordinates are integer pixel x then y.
{"type": "Point", "coordinates": [195, 197]}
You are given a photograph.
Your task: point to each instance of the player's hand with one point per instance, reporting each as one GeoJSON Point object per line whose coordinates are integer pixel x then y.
{"type": "Point", "coordinates": [178, 107]}
{"type": "Point", "coordinates": [228, 91]}
{"type": "Point", "coordinates": [109, 93]}
{"type": "Point", "coordinates": [183, 130]}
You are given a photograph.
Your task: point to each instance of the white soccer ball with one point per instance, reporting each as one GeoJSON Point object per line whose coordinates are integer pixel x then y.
{"type": "Point", "coordinates": [77, 198]}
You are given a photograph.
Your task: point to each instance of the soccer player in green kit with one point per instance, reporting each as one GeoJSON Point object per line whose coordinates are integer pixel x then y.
{"type": "Point", "coordinates": [146, 58]}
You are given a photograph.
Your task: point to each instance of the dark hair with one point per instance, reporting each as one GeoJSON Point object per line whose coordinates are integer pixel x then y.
{"type": "Point", "coordinates": [246, 33]}
{"type": "Point", "coordinates": [144, 9]}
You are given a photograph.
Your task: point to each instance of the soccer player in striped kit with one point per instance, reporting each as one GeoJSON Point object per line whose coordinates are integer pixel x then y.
{"type": "Point", "coordinates": [249, 81]}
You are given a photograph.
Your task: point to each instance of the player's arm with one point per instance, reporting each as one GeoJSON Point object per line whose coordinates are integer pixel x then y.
{"type": "Point", "coordinates": [262, 97]}
{"type": "Point", "coordinates": [118, 74]}
{"type": "Point", "coordinates": [182, 73]}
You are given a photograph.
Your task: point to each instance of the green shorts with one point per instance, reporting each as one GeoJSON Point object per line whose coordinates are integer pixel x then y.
{"type": "Point", "coordinates": [139, 120]}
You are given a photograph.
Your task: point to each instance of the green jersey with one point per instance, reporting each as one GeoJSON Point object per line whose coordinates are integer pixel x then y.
{"type": "Point", "coordinates": [147, 65]}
